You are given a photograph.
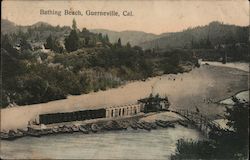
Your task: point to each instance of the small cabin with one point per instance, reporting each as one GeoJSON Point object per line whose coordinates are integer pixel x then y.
{"type": "Point", "coordinates": [154, 103]}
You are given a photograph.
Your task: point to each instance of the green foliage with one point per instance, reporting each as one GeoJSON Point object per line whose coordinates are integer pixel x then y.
{"type": "Point", "coordinates": [74, 27]}
{"type": "Point", "coordinates": [53, 44]}
{"type": "Point", "coordinates": [72, 42]}
{"type": "Point", "coordinates": [7, 44]}
{"type": "Point", "coordinates": [24, 45]}
{"type": "Point", "coordinates": [57, 47]}
{"type": "Point", "coordinates": [119, 43]}
{"type": "Point", "coordinates": [202, 43]}
{"type": "Point", "coordinates": [194, 150]}
{"type": "Point", "coordinates": [49, 42]}
{"type": "Point", "coordinates": [238, 119]}
{"type": "Point", "coordinates": [106, 38]}
{"type": "Point", "coordinates": [128, 45]}
{"type": "Point", "coordinates": [30, 89]}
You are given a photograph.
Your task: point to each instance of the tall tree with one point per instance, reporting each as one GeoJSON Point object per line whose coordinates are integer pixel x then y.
{"type": "Point", "coordinates": [106, 38]}
{"type": "Point", "coordinates": [119, 43]}
{"type": "Point", "coordinates": [72, 42]}
{"type": "Point", "coordinates": [100, 38]}
{"type": "Point", "coordinates": [49, 42]}
{"type": "Point", "coordinates": [25, 45]}
{"type": "Point", "coordinates": [74, 26]}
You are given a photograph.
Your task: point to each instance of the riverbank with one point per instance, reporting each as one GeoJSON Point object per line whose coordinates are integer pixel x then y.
{"type": "Point", "coordinates": [200, 88]}
{"type": "Point", "coordinates": [148, 122]}
{"type": "Point", "coordinates": [242, 96]}
{"type": "Point", "coordinates": [239, 65]}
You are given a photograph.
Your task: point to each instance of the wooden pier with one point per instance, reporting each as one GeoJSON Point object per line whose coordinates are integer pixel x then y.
{"type": "Point", "coordinates": [198, 120]}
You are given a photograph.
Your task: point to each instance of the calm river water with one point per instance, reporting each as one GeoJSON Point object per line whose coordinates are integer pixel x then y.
{"type": "Point", "coordinates": [156, 144]}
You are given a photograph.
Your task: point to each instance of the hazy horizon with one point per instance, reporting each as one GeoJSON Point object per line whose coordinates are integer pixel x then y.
{"type": "Point", "coordinates": [154, 17]}
{"type": "Point", "coordinates": [121, 30]}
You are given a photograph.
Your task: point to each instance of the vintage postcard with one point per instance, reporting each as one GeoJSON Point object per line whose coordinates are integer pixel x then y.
{"type": "Point", "coordinates": [131, 79]}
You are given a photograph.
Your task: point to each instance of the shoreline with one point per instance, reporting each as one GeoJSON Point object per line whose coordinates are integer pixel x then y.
{"type": "Point", "coordinates": [244, 66]}
{"type": "Point", "coordinates": [137, 122]}
{"type": "Point", "coordinates": [176, 86]}
{"type": "Point", "coordinates": [244, 90]}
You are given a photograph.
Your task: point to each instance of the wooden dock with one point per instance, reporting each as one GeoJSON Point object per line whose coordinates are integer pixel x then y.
{"type": "Point", "coordinates": [200, 121]}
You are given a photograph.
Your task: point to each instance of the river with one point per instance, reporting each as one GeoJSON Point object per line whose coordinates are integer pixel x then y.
{"type": "Point", "coordinates": [201, 87]}
{"type": "Point", "coordinates": [157, 144]}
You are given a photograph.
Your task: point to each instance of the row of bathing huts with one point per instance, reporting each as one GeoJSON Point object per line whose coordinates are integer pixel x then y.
{"type": "Point", "coordinates": [94, 120]}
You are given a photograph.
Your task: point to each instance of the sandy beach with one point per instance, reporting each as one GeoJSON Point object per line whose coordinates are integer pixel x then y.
{"type": "Point", "coordinates": [201, 88]}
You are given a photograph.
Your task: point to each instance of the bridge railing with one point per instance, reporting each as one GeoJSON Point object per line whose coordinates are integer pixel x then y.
{"type": "Point", "coordinates": [196, 117]}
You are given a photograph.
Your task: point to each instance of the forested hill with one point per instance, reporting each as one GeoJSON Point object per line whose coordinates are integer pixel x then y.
{"type": "Point", "coordinates": [133, 37]}
{"type": "Point", "coordinates": [38, 32]}
{"type": "Point", "coordinates": [215, 33]}
{"type": "Point", "coordinates": [7, 26]}
{"type": "Point", "coordinates": [41, 63]}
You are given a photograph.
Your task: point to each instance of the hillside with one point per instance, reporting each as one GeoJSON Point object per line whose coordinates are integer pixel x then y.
{"type": "Point", "coordinates": [39, 30]}
{"type": "Point", "coordinates": [133, 37]}
{"type": "Point", "coordinates": [8, 26]}
{"type": "Point", "coordinates": [216, 32]}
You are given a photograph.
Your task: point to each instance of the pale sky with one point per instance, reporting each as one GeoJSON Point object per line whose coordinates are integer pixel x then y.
{"type": "Point", "coordinates": [149, 16]}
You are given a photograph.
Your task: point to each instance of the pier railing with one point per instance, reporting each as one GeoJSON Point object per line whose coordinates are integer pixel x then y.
{"type": "Point", "coordinates": [200, 121]}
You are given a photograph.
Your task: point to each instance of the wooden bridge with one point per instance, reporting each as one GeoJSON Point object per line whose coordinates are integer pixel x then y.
{"type": "Point", "coordinates": [200, 121]}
